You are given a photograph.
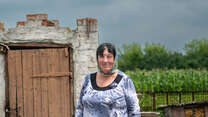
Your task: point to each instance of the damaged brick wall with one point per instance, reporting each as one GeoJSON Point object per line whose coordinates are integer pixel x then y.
{"type": "Point", "coordinates": [37, 28]}
{"type": "Point", "coordinates": [42, 19]}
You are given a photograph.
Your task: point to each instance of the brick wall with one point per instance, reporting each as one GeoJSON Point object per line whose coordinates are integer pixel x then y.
{"type": "Point", "coordinates": [84, 41]}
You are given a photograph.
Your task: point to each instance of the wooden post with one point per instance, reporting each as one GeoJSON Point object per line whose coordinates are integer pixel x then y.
{"type": "Point", "coordinates": [179, 97]}
{"type": "Point", "coordinates": [154, 102]}
{"type": "Point", "coordinates": [192, 96]}
{"type": "Point", "coordinates": [167, 98]}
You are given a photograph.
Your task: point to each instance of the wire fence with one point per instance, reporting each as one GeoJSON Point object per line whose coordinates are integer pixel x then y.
{"type": "Point", "coordinates": [150, 101]}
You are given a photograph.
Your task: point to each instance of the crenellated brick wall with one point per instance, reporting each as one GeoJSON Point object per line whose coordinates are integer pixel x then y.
{"type": "Point", "coordinates": [37, 28]}
{"type": "Point", "coordinates": [38, 20]}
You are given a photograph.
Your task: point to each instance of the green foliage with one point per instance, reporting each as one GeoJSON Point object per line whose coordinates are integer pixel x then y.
{"type": "Point", "coordinates": [131, 57]}
{"type": "Point", "coordinates": [170, 80]}
{"type": "Point", "coordinates": [176, 60]}
{"type": "Point", "coordinates": [197, 47]}
{"type": "Point", "coordinates": [197, 54]}
{"type": "Point", "coordinates": [156, 56]}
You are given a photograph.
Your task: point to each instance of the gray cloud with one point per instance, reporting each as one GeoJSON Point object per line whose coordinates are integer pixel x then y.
{"type": "Point", "coordinates": [169, 22]}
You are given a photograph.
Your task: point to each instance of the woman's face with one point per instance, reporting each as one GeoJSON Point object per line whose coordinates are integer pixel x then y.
{"type": "Point", "coordinates": [106, 61]}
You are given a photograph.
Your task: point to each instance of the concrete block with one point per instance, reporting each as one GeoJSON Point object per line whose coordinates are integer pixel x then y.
{"type": "Point", "coordinates": [150, 114]}
{"type": "Point", "coordinates": [2, 85]}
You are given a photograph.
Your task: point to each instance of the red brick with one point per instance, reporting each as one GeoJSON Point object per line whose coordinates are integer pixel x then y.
{"type": "Point", "coordinates": [91, 21]}
{"type": "Point", "coordinates": [20, 23]}
{"type": "Point", "coordinates": [47, 23]}
{"type": "Point", "coordinates": [86, 21]}
{"type": "Point", "coordinates": [37, 17]}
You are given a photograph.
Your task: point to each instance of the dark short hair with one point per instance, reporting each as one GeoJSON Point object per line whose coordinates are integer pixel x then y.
{"type": "Point", "coordinates": [103, 46]}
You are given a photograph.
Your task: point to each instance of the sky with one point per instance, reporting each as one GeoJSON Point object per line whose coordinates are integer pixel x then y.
{"type": "Point", "coordinates": [171, 23]}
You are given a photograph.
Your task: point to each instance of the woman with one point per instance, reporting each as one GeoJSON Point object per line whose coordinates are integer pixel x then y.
{"type": "Point", "coordinates": [107, 92]}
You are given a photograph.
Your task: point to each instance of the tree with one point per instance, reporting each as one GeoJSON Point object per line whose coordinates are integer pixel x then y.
{"type": "Point", "coordinates": [176, 61]}
{"type": "Point", "coordinates": [197, 53]}
{"type": "Point", "coordinates": [130, 57]}
{"type": "Point", "coordinates": [155, 56]}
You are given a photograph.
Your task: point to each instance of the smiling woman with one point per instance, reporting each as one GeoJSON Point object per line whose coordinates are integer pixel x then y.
{"type": "Point", "coordinates": [106, 54]}
{"type": "Point", "coordinates": [108, 92]}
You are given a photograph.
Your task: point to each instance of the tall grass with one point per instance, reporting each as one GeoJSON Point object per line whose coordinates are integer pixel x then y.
{"type": "Point", "coordinates": [170, 80]}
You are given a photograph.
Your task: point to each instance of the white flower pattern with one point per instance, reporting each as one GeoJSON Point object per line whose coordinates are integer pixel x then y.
{"type": "Point", "coordinates": [119, 100]}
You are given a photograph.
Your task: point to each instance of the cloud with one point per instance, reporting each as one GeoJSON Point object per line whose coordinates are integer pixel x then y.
{"type": "Point", "coordinates": [20, 2]}
{"type": "Point", "coordinates": [169, 22]}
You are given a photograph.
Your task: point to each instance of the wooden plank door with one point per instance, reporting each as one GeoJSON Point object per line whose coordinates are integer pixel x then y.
{"type": "Point", "coordinates": [39, 83]}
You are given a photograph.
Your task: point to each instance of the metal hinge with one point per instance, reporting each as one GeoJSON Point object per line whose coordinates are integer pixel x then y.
{"type": "Point", "coordinates": [9, 110]}
{"type": "Point", "coordinates": [3, 48]}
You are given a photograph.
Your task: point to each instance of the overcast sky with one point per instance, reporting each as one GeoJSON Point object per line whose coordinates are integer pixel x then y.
{"type": "Point", "coordinates": [172, 23]}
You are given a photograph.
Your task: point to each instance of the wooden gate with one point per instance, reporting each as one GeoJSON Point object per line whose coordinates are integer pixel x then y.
{"type": "Point", "coordinates": [39, 83]}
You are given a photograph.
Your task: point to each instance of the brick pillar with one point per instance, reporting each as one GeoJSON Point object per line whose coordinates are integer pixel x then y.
{"type": "Point", "coordinates": [87, 25]}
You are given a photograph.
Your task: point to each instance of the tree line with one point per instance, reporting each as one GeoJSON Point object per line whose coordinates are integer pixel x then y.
{"type": "Point", "coordinates": [157, 56]}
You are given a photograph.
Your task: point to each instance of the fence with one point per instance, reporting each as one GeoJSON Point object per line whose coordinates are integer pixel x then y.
{"type": "Point", "coordinates": [150, 101]}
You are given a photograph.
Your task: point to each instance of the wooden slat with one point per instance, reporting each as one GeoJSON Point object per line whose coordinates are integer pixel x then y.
{"type": "Point", "coordinates": [27, 83]}
{"type": "Point", "coordinates": [199, 112]}
{"type": "Point", "coordinates": [20, 105]}
{"type": "Point", "coordinates": [34, 95]}
{"type": "Point", "coordinates": [54, 87]}
{"type": "Point", "coordinates": [188, 112]}
{"type": "Point", "coordinates": [71, 64]}
{"type": "Point", "coordinates": [53, 74]}
{"type": "Point", "coordinates": [57, 68]}
{"type": "Point", "coordinates": [206, 111]}
{"type": "Point", "coordinates": [71, 89]}
{"type": "Point", "coordinates": [36, 83]}
{"type": "Point", "coordinates": [61, 85]}
{"type": "Point", "coordinates": [12, 82]}
{"type": "Point", "coordinates": [65, 82]}
{"type": "Point", "coordinates": [44, 82]}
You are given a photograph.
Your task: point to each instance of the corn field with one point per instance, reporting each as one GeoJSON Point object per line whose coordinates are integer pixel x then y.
{"type": "Point", "coordinates": [165, 87]}
{"type": "Point", "coordinates": [170, 80]}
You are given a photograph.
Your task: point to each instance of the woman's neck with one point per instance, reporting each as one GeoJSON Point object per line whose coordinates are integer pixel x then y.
{"type": "Point", "coordinates": [103, 81]}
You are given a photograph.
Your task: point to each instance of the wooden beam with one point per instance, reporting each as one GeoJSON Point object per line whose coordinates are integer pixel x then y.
{"type": "Point", "coordinates": [37, 45]}
{"type": "Point", "coordinates": [54, 74]}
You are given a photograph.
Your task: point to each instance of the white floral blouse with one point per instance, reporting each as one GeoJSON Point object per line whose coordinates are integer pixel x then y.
{"type": "Point", "coordinates": [119, 99]}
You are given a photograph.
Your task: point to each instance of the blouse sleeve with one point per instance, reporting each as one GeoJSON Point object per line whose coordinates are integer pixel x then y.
{"type": "Point", "coordinates": [79, 109]}
{"type": "Point", "coordinates": [131, 99]}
